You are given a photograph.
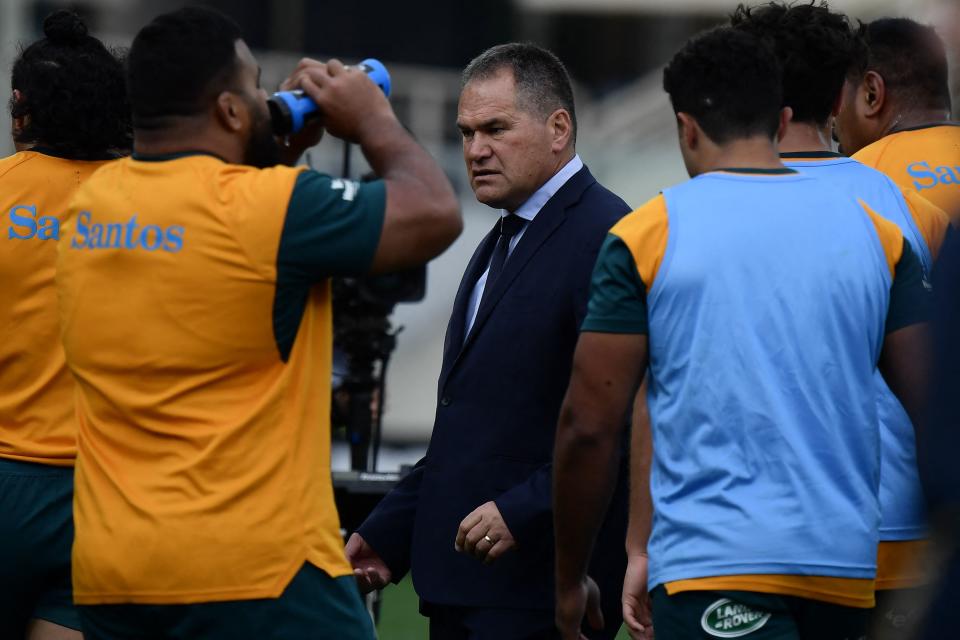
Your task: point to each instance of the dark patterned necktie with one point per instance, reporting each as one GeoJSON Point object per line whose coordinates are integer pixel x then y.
{"type": "Point", "coordinates": [509, 226]}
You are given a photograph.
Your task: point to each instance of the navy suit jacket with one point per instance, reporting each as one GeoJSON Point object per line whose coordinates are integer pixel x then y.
{"type": "Point", "coordinates": [499, 398]}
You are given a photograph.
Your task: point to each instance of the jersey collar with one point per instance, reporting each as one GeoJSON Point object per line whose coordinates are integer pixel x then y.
{"type": "Point", "coordinates": [811, 155]}
{"type": "Point", "coordinates": [757, 171]}
{"type": "Point", "coordinates": [56, 153]}
{"type": "Point", "coordinates": [930, 125]}
{"type": "Point", "coordinates": [163, 157]}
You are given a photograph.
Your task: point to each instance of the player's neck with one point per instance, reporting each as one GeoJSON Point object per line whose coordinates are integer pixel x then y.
{"type": "Point", "coordinates": [910, 118]}
{"type": "Point", "coordinates": [186, 137]}
{"type": "Point", "coordinates": [745, 153]}
{"type": "Point", "coordinates": [804, 137]}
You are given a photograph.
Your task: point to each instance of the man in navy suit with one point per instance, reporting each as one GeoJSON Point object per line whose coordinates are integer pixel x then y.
{"type": "Point", "coordinates": [473, 520]}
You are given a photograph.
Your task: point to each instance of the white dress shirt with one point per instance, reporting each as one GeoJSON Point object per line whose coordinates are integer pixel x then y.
{"type": "Point", "coordinates": [528, 211]}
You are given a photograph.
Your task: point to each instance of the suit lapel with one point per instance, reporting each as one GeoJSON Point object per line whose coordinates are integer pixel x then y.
{"type": "Point", "coordinates": [547, 221]}
{"type": "Point", "coordinates": [458, 318]}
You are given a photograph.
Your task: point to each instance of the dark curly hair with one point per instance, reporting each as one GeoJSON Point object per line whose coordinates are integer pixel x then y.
{"type": "Point", "coordinates": [71, 87]}
{"type": "Point", "coordinates": [816, 48]}
{"type": "Point", "coordinates": [179, 63]}
{"type": "Point", "coordinates": [912, 60]}
{"type": "Point", "coordinates": [728, 80]}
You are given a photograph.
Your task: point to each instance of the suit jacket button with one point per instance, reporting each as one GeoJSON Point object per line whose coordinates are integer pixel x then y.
{"type": "Point", "coordinates": [444, 401]}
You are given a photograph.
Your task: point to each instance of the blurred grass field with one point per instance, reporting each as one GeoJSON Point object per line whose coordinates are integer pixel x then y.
{"type": "Point", "coordinates": [400, 620]}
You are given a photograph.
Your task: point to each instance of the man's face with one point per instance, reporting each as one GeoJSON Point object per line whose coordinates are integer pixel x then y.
{"type": "Point", "coordinates": [261, 149]}
{"type": "Point", "coordinates": [508, 149]}
{"type": "Point", "coordinates": [852, 128]}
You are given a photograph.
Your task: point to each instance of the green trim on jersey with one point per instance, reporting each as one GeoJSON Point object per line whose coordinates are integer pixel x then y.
{"type": "Point", "coordinates": [756, 171]}
{"type": "Point", "coordinates": [63, 155]}
{"type": "Point", "coordinates": [176, 155]}
{"type": "Point", "coordinates": [930, 125]}
{"type": "Point", "coordinates": [332, 228]}
{"type": "Point", "coordinates": [910, 293]}
{"type": "Point", "coordinates": [811, 155]}
{"type": "Point", "coordinates": [618, 296]}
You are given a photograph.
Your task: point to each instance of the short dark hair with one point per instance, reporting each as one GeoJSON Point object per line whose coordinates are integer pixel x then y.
{"type": "Point", "coordinates": [817, 50]}
{"type": "Point", "coordinates": [178, 63]}
{"type": "Point", "coordinates": [71, 86]}
{"type": "Point", "coordinates": [911, 59]}
{"type": "Point", "coordinates": [728, 80]}
{"type": "Point", "coordinates": [543, 84]}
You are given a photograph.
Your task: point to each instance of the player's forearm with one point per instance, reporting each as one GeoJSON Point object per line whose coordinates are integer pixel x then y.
{"type": "Point", "coordinates": [585, 473]}
{"type": "Point", "coordinates": [422, 214]}
{"type": "Point", "coordinates": [394, 155]}
{"type": "Point", "coordinates": [903, 364]}
{"type": "Point", "coordinates": [641, 456]}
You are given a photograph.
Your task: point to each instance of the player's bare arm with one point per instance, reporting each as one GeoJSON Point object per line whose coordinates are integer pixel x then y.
{"type": "Point", "coordinates": [607, 370]}
{"type": "Point", "coordinates": [637, 613]}
{"type": "Point", "coordinates": [423, 215]}
{"type": "Point", "coordinates": [903, 363]}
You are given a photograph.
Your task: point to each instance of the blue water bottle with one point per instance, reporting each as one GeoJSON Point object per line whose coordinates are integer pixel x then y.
{"type": "Point", "coordinates": [291, 110]}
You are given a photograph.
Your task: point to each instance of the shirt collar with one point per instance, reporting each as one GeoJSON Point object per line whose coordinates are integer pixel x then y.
{"type": "Point", "coordinates": [929, 125]}
{"type": "Point", "coordinates": [529, 209]}
{"type": "Point", "coordinates": [176, 155]}
{"type": "Point", "coordinates": [811, 155]}
{"type": "Point", "coordinates": [756, 171]}
{"type": "Point", "coordinates": [55, 153]}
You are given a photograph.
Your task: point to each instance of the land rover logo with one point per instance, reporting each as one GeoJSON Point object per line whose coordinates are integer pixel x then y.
{"type": "Point", "coordinates": [728, 619]}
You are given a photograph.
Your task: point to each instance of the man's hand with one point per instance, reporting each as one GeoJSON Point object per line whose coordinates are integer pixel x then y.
{"type": "Point", "coordinates": [369, 569]}
{"type": "Point", "coordinates": [352, 106]}
{"type": "Point", "coordinates": [573, 603]}
{"type": "Point", "coordinates": [484, 535]}
{"type": "Point", "coordinates": [293, 146]}
{"type": "Point", "coordinates": [637, 613]}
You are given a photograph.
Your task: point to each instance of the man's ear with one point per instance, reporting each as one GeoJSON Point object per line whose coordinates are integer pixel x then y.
{"type": "Point", "coordinates": [786, 115]}
{"type": "Point", "coordinates": [838, 102]}
{"type": "Point", "coordinates": [561, 129]}
{"type": "Point", "coordinates": [231, 112]}
{"type": "Point", "coordinates": [688, 130]}
{"type": "Point", "coordinates": [18, 123]}
{"type": "Point", "coordinates": [874, 91]}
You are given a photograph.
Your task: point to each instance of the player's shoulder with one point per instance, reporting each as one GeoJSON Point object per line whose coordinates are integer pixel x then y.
{"type": "Point", "coordinates": [870, 155]}
{"type": "Point", "coordinates": [856, 165]}
{"type": "Point", "coordinates": [646, 218]}
{"type": "Point", "coordinates": [57, 174]}
{"type": "Point", "coordinates": [242, 173]}
{"type": "Point", "coordinates": [17, 161]}
{"type": "Point", "coordinates": [103, 168]}
{"type": "Point", "coordinates": [259, 185]}
{"type": "Point", "coordinates": [889, 232]}
{"type": "Point", "coordinates": [949, 130]}
{"type": "Point", "coordinates": [867, 175]}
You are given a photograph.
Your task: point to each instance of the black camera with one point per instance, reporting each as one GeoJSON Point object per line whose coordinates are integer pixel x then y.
{"type": "Point", "coordinates": [365, 338]}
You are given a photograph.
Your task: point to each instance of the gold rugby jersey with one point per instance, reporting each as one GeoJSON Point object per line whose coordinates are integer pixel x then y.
{"type": "Point", "coordinates": [36, 390]}
{"type": "Point", "coordinates": [196, 317]}
{"type": "Point", "coordinates": [925, 159]}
